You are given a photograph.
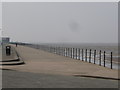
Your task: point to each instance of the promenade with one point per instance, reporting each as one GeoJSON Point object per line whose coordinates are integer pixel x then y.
{"type": "Point", "coordinates": [63, 71]}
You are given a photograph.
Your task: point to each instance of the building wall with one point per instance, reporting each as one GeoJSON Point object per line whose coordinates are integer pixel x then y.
{"type": "Point", "coordinates": [5, 39]}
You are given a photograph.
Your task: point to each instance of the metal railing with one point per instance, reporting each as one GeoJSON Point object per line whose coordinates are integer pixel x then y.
{"type": "Point", "coordinates": [88, 55]}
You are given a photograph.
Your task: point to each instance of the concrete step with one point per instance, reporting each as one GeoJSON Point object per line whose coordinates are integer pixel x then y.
{"type": "Point", "coordinates": [12, 63]}
{"type": "Point", "coordinates": [10, 60]}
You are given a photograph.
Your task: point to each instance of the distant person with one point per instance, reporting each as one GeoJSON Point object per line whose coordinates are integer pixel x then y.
{"type": "Point", "coordinates": [16, 44]}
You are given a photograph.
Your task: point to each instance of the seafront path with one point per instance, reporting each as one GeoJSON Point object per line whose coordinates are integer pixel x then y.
{"type": "Point", "coordinates": [51, 70]}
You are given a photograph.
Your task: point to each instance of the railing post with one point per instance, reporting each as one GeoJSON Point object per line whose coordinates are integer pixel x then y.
{"type": "Point", "coordinates": [68, 52]}
{"type": "Point", "coordinates": [90, 56]}
{"type": "Point", "coordinates": [64, 51]}
{"type": "Point", "coordinates": [50, 49]}
{"type": "Point", "coordinates": [53, 49]}
{"type": "Point", "coordinates": [100, 58]}
{"type": "Point", "coordinates": [111, 60]}
{"type": "Point", "coordinates": [104, 58]}
{"type": "Point", "coordinates": [86, 56]}
{"type": "Point", "coordinates": [76, 53]}
{"type": "Point", "coordinates": [58, 50]}
{"type": "Point", "coordinates": [73, 53]}
{"type": "Point", "coordinates": [79, 53]}
{"type": "Point", "coordinates": [94, 56]}
{"type": "Point", "coordinates": [82, 55]}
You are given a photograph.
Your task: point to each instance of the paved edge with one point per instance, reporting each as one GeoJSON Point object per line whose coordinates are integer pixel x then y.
{"type": "Point", "coordinates": [89, 76]}
{"type": "Point", "coordinates": [17, 61]}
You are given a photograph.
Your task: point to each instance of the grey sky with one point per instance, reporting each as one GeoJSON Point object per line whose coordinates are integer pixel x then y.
{"type": "Point", "coordinates": [0, 14]}
{"type": "Point", "coordinates": [61, 22]}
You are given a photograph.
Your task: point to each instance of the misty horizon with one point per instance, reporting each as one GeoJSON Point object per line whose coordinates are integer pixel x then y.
{"type": "Point", "coordinates": [51, 22]}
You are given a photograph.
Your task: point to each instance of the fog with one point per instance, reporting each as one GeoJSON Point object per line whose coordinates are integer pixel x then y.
{"type": "Point", "coordinates": [60, 22]}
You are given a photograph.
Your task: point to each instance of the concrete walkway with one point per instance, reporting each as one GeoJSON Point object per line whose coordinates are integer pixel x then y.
{"type": "Point", "coordinates": [18, 79]}
{"type": "Point", "coordinates": [38, 61]}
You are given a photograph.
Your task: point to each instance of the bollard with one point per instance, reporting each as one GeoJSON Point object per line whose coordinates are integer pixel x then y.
{"type": "Point", "coordinates": [104, 58]}
{"type": "Point", "coordinates": [8, 50]}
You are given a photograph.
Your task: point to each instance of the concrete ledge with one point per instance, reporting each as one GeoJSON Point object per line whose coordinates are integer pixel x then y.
{"type": "Point", "coordinates": [12, 60]}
